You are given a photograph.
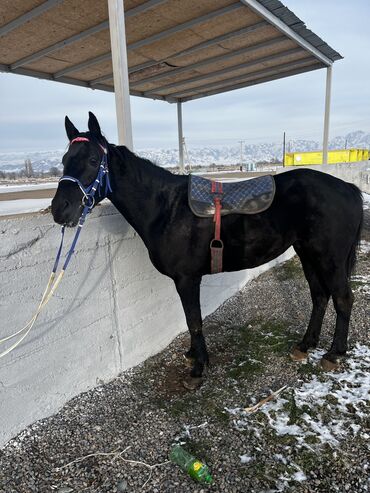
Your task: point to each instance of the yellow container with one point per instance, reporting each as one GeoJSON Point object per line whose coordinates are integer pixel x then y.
{"type": "Point", "coordinates": [336, 156]}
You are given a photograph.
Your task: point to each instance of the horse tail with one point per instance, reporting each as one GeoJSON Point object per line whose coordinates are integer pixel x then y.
{"type": "Point", "coordinates": [351, 260]}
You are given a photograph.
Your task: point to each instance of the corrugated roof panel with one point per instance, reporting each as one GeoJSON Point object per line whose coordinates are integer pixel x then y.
{"type": "Point", "coordinates": [298, 26]}
{"type": "Point", "coordinates": [187, 39]}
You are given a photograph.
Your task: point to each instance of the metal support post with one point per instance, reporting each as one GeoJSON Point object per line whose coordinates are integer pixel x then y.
{"type": "Point", "coordinates": [120, 71]}
{"type": "Point", "coordinates": [327, 115]}
{"type": "Point", "coordinates": [181, 137]}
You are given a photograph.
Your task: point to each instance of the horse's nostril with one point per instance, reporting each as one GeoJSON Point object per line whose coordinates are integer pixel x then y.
{"type": "Point", "coordinates": [66, 204]}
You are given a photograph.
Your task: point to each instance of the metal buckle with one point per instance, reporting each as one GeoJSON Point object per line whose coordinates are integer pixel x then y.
{"type": "Point", "coordinates": [86, 199]}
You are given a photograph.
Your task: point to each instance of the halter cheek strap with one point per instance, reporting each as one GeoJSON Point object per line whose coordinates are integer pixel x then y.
{"type": "Point", "coordinates": [88, 199]}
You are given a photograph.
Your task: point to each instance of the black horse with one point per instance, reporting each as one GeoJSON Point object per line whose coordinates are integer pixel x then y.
{"type": "Point", "coordinates": [318, 214]}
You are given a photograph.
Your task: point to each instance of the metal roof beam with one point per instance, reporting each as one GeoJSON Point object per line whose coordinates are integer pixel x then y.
{"type": "Point", "coordinates": [173, 30]}
{"type": "Point", "coordinates": [240, 78]}
{"type": "Point", "coordinates": [82, 65]}
{"type": "Point", "coordinates": [74, 82]}
{"type": "Point", "coordinates": [61, 44]}
{"type": "Point", "coordinates": [282, 27]}
{"type": "Point", "coordinates": [152, 63]}
{"type": "Point", "coordinates": [22, 19]}
{"type": "Point", "coordinates": [102, 79]}
{"type": "Point", "coordinates": [84, 34]}
{"type": "Point", "coordinates": [208, 61]}
{"type": "Point", "coordinates": [226, 70]}
{"type": "Point", "coordinates": [150, 4]}
{"type": "Point", "coordinates": [183, 26]}
{"type": "Point", "coordinates": [315, 66]}
{"type": "Point", "coordinates": [214, 59]}
{"type": "Point", "coordinates": [220, 39]}
{"type": "Point", "coordinates": [46, 76]}
{"type": "Point", "coordinates": [99, 59]}
{"type": "Point", "coordinates": [105, 78]}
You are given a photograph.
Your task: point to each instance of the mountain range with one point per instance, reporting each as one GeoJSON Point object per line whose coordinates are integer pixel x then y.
{"type": "Point", "coordinates": [42, 161]}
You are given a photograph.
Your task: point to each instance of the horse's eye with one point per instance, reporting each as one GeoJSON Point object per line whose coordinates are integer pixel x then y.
{"type": "Point", "coordinates": [93, 160]}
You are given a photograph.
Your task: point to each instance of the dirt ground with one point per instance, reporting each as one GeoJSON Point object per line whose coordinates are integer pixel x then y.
{"type": "Point", "coordinates": [313, 438]}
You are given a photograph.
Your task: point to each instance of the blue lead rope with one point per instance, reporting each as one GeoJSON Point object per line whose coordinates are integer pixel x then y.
{"type": "Point", "coordinates": [88, 201]}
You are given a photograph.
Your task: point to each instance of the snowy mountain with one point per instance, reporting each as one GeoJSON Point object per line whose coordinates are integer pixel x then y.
{"type": "Point", "coordinates": [42, 161]}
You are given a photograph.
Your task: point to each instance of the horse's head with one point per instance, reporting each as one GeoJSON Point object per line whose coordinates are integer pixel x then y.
{"type": "Point", "coordinates": [80, 168]}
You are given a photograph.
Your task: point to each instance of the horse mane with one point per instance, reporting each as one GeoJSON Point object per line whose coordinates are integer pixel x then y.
{"type": "Point", "coordinates": [143, 165]}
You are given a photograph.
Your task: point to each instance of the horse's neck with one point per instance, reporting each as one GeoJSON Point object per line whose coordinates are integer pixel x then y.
{"type": "Point", "coordinates": [140, 189]}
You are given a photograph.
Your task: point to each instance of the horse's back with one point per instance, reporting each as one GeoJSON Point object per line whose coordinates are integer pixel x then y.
{"type": "Point", "coordinates": [317, 191]}
{"type": "Point", "coordinates": [326, 211]}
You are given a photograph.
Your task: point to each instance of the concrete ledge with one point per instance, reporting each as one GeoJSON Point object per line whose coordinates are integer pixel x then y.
{"type": "Point", "coordinates": [112, 311]}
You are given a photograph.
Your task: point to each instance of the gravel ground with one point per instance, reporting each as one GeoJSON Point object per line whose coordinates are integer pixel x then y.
{"type": "Point", "coordinates": [139, 415]}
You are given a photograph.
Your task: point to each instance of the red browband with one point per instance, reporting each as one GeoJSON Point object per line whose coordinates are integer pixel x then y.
{"type": "Point", "coordinates": [85, 139]}
{"type": "Point", "coordinates": [79, 139]}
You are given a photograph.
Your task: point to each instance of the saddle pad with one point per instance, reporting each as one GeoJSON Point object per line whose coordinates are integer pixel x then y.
{"type": "Point", "coordinates": [243, 197]}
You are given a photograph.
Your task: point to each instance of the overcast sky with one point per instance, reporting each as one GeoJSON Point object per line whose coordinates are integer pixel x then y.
{"type": "Point", "coordinates": [32, 111]}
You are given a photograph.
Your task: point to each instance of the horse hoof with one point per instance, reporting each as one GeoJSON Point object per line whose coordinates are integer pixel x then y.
{"type": "Point", "coordinates": [192, 383]}
{"type": "Point", "coordinates": [297, 355]}
{"type": "Point", "coordinates": [328, 365]}
{"type": "Point", "coordinates": [189, 361]}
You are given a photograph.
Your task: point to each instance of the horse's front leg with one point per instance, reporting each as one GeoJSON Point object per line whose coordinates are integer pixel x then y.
{"type": "Point", "coordinates": [189, 292]}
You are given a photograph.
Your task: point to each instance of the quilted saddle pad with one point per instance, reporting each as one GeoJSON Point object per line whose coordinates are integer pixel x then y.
{"type": "Point", "coordinates": [243, 197]}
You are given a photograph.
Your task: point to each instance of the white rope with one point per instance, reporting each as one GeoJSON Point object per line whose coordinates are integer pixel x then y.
{"type": "Point", "coordinates": [53, 283]}
{"type": "Point", "coordinates": [118, 455]}
{"type": "Point", "coordinates": [48, 293]}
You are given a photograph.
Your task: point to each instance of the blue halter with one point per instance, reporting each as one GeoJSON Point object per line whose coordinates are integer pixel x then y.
{"type": "Point", "coordinates": [89, 191]}
{"type": "Point", "coordinates": [88, 199]}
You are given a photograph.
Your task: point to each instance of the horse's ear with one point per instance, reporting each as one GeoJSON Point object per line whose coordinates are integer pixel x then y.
{"type": "Point", "coordinates": [71, 130]}
{"type": "Point", "coordinates": [94, 126]}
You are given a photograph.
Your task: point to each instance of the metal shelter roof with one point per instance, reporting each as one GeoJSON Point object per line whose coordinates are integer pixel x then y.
{"type": "Point", "coordinates": [178, 50]}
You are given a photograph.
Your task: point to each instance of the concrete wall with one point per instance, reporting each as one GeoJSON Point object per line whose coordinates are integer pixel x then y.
{"type": "Point", "coordinates": [112, 311]}
{"type": "Point", "coordinates": [356, 173]}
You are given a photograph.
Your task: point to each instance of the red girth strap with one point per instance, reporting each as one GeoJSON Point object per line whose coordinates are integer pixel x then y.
{"type": "Point", "coordinates": [217, 245]}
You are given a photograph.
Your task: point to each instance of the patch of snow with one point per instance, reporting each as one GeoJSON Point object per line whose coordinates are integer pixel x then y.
{"type": "Point", "coordinates": [316, 355]}
{"type": "Point", "coordinates": [299, 476]}
{"type": "Point", "coordinates": [8, 207]}
{"type": "Point", "coordinates": [188, 428]}
{"type": "Point", "coordinates": [344, 394]}
{"type": "Point", "coordinates": [280, 458]}
{"type": "Point", "coordinates": [364, 246]}
{"type": "Point", "coordinates": [285, 479]}
{"type": "Point", "coordinates": [234, 411]}
{"type": "Point", "coordinates": [366, 198]}
{"type": "Point", "coordinates": [245, 459]}
{"type": "Point", "coordinates": [312, 392]}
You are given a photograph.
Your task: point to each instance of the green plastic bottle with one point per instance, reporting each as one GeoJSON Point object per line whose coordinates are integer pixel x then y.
{"type": "Point", "coordinates": [190, 464]}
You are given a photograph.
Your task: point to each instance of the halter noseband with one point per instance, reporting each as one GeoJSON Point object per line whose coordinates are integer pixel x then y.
{"type": "Point", "coordinates": [88, 198]}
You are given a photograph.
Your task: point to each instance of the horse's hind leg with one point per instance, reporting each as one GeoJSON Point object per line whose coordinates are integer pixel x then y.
{"type": "Point", "coordinates": [343, 301]}
{"type": "Point", "coordinates": [320, 298]}
{"type": "Point", "coordinates": [189, 292]}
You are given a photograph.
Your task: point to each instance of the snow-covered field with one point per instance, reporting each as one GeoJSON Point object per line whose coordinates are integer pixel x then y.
{"type": "Point", "coordinates": [9, 207]}
{"type": "Point", "coordinates": [35, 205]}
{"type": "Point", "coordinates": [28, 186]}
